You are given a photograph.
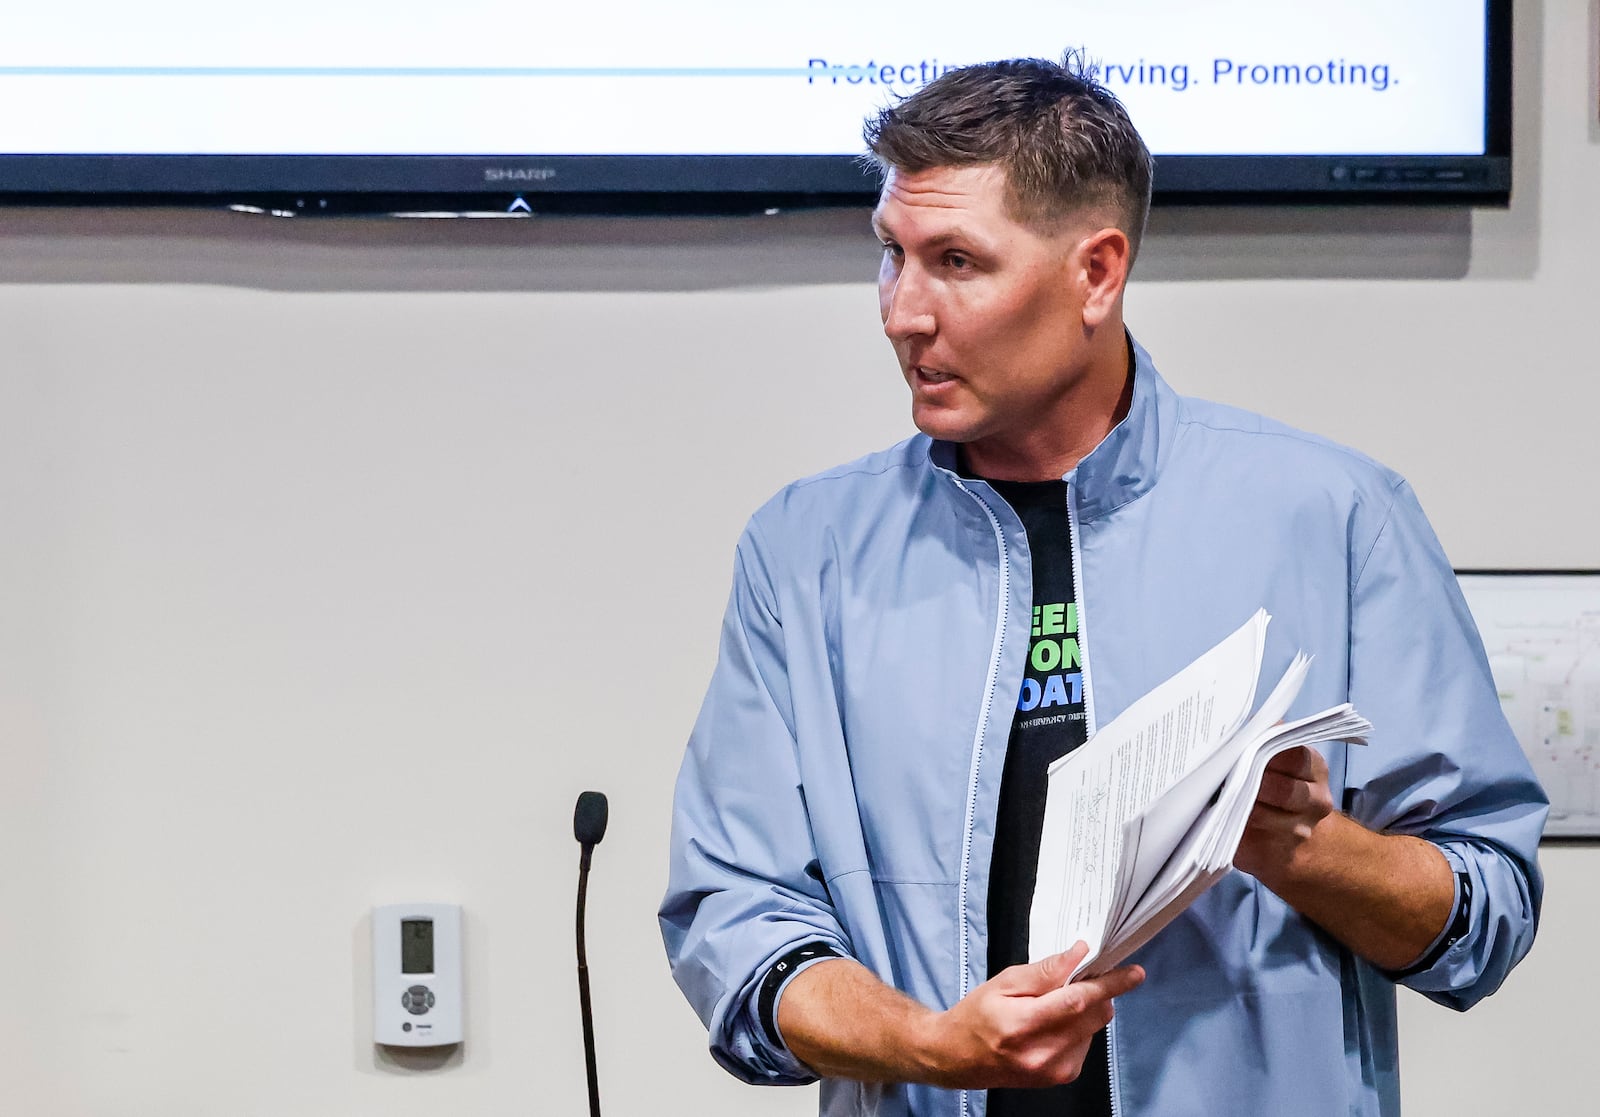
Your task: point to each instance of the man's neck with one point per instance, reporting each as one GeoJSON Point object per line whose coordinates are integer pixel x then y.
{"type": "Point", "coordinates": [1054, 451]}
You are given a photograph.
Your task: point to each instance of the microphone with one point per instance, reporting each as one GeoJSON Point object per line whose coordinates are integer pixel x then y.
{"type": "Point", "coordinates": [588, 826]}
{"type": "Point", "coordinates": [589, 821]}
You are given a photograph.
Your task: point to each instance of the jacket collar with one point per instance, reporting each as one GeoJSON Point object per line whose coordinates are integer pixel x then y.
{"type": "Point", "coordinates": [1128, 460]}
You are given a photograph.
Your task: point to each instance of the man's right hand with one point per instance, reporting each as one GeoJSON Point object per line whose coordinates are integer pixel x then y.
{"type": "Point", "coordinates": [1026, 1026]}
{"type": "Point", "coordinates": [1023, 1027]}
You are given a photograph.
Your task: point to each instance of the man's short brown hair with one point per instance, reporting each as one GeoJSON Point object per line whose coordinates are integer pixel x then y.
{"type": "Point", "coordinates": [1063, 139]}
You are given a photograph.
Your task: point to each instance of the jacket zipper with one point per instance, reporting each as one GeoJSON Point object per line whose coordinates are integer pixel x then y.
{"type": "Point", "coordinates": [977, 741]}
{"type": "Point", "coordinates": [1088, 712]}
{"type": "Point", "coordinates": [1077, 592]}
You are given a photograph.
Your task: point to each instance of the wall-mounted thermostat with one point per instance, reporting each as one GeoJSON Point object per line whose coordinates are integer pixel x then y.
{"type": "Point", "coordinates": [416, 974]}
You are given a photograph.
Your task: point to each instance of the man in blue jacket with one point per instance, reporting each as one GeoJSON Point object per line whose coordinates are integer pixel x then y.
{"type": "Point", "coordinates": [912, 638]}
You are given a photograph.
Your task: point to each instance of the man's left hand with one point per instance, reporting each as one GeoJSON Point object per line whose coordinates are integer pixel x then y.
{"type": "Point", "coordinates": [1385, 896]}
{"type": "Point", "coordinates": [1294, 800]}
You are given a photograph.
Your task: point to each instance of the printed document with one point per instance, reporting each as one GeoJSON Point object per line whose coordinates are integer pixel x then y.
{"type": "Point", "coordinates": [1148, 813]}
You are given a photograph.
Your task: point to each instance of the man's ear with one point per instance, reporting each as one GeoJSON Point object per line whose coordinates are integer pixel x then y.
{"type": "Point", "coordinates": [1107, 256]}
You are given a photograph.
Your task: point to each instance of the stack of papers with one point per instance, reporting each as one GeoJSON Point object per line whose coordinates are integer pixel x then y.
{"type": "Point", "coordinates": [1149, 813]}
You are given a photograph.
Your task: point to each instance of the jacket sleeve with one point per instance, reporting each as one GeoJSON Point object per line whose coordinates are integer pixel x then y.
{"type": "Point", "coordinates": [744, 887]}
{"type": "Point", "coordinates": [1442, 763]}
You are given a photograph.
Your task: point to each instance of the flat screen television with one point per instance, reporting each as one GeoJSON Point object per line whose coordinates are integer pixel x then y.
{"type": "Point", "coordinates": [486, 107]}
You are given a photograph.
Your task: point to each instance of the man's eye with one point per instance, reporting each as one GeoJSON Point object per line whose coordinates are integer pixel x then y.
{"type": "Point", "coordinates": [957, 261]}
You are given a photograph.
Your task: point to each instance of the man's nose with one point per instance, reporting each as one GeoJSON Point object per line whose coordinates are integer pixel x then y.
{"type": "Point", "coordinates": [906, 306]}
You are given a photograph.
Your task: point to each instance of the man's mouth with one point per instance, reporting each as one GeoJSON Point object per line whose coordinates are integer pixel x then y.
{"type": "Point", "coordinates": [926, 375]}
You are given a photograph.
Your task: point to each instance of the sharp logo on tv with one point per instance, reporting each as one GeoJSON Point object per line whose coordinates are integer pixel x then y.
{"type": "Point", "coordinates": [518, 174]}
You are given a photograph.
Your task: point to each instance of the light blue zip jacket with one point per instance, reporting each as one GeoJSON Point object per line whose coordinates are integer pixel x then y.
{"type": "Point", "coordinates": [841, 782]}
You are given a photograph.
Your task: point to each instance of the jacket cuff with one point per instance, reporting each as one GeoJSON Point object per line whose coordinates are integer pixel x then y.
{"type": "Point", "coordinates": [777, 980]}
{"type": "Point", "coordinates": [1456, 927]}
{"type": "Point", "coordinates": [748, 1048]}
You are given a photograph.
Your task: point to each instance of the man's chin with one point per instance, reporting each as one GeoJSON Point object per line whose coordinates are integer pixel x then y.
{"type": "Point", "coordinates": [944, 424]}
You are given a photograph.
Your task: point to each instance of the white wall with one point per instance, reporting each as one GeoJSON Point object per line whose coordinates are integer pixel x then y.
{"type": "Point", "coordinates": [335, 559]}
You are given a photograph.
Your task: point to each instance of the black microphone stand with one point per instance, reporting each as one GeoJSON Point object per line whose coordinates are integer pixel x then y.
{"type": "Point", "coordinates": [583, 987]}
{"type": "Point", "coordinates": [588, 826]}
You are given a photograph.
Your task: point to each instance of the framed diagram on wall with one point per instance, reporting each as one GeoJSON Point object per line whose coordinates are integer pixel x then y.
{"type": "Point", "coordinates": [1541, 629]}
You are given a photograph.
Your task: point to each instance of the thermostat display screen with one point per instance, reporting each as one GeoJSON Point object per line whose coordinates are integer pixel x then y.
{"type": "Point", "coordinates": [416, 946]}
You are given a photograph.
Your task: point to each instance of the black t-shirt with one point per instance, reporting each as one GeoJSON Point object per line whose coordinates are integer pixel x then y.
{"type": "Point", "coordinates": [1049, 723]}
